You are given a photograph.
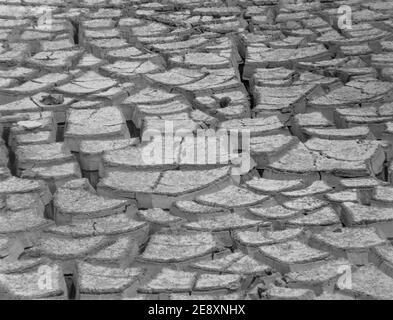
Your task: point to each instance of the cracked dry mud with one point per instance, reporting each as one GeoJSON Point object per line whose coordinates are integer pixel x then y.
{"type": "Point", "coordinates": [87, 97]}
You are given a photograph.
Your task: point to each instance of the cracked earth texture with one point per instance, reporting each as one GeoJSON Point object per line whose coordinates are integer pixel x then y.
{"type": "Point", "coordinates": [83, 215]}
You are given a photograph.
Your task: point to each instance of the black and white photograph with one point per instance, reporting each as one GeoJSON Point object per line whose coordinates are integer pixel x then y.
{"type": "Point", "coordinates": [225, 152]}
